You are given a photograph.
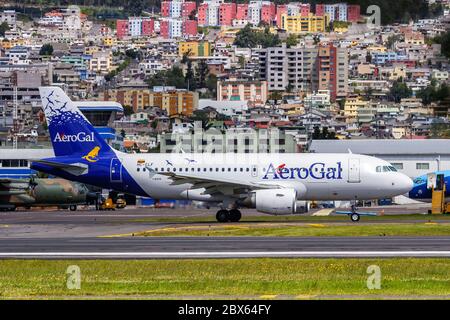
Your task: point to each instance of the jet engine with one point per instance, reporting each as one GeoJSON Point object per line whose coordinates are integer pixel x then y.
{"type": "Point", "coordinates": [273, 201]}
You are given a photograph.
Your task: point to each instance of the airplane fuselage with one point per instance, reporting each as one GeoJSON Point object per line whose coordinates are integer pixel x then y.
{"type": "Point", "coordinates": [313, 176]}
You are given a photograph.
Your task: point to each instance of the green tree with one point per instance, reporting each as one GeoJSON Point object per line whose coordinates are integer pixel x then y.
{"type": "Point", "coordinates": [250, 38]}
{"type": "Point", "coordinates": [128, 110]}
{"type": "Point", "coordinates": [399, 90]}
{"type": "Point", "coordinates": [291, 41]}
{"type": "Point", "coordinates": [3, 28]}
{"type": "Point", "coordinates": [191, 81]}
{"type": "Point", "coordinates": [46, 50]}
{"type": "Point", "coordinates": [202, 72]}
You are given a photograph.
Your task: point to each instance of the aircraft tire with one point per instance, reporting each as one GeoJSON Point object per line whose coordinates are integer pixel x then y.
{"type": "Point", "coordinates": [355, 217]}
{"type": "Point", "coordinates": [73, 208]}
{"type": "Point", "coordinates": [223, 216]}
{"type": "Point", "coordinates": [235, 215]}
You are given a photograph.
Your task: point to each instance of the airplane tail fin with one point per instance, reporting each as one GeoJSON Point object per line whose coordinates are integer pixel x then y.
{"type": "Point", "coordinates": [71, 133]}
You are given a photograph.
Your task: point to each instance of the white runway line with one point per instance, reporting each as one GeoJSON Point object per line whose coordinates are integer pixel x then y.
{"type": "Point", "coordinates": [226, 254]}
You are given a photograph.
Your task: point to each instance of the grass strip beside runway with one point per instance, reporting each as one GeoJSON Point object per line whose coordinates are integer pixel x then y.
{"type": "Point", "coordinates": [299, 230]}
{"type": "Point", "coordinates": [208, 278]}
{"type": "Point", "coordinates": [295, 218]}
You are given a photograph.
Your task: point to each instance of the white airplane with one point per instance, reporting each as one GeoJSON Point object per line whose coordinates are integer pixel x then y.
{"type": "Point", "coordinates": [271, 183]}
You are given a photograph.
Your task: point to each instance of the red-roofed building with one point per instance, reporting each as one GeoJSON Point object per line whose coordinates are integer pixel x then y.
{"type": "Point", "coordinates": [242, 11]}
{"type": "Point", "coordinates": [190, 28]}
{"type": "Point", "coordinates": [268, 13]}
{"type": "Point", "coordinates": [281, 9]}
{"type": "Point", "coordinates": [165, 8]}
{"type": "Point", "coordinates": [164, 28]}
{"type": "Point", "coordinates": [148, 27]}
{"type": "Point", "coordinates": [122, 28]}
{"type": "Point", "coordinates": [353, 13]}
{"type": "Point", "coordinates": [227, 13]}
{"type": "Point", "coordinates": [203, 14]}
{"type": "Point", "coordinates": [187, 8]}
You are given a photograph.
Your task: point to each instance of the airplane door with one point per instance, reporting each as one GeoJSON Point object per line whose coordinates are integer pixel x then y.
{"type": "Point", "coordinates": [116, 170]}
{"type": "Point", "coordinates": [254, 171]}
{"type": "Point", "coordinates": [354, 171]}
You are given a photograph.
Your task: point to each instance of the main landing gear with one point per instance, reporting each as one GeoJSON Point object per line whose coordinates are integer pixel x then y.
{"type": "Point", "coordinates": [234, 215]}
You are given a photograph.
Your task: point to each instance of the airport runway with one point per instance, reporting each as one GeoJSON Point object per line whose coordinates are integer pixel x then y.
{"type": "Point", "coordinates": [225, 247]}
{"type": "Point", "coordinates": [74, 235]}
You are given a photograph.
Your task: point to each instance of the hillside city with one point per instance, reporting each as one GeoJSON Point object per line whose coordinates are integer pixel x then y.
{"type": "Point", "coordinates": [197, 76]}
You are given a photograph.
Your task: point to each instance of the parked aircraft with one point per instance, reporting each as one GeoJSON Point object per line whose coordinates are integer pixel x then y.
{"type": "Point", "coordinates": [271, 183]}
{"type": "Point", "coordinates": [42, 193]}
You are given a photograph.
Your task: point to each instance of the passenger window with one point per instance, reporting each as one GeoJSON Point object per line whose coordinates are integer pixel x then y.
{"type": "Point", "coordinates": [229, 169]}
{"type": "Point", "coordinates": [138, 169]}
{"type": "Point", "coordinates": [217, 169]}
{"type": "Point", "coordinates": [235, 169]}
{"type": "Point", "coordinates": [247, 169]}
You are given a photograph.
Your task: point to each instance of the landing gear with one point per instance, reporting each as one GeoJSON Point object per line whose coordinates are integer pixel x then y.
{"type": "Point", "coordinates": [222, 216]}
{"type": "Point", "coordinates": [233, 215]}
{"type": "Point", "coordinates": [354, 216]}
{"type": "Point", "coordinates": [73, 208]}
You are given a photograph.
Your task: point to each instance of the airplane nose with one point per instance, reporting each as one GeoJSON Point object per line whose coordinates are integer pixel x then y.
{"type": "Point", "coordinates": [404, 183]}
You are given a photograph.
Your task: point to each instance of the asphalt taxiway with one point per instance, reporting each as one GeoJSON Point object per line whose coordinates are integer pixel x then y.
{"type": "Point", "coordinates": [64, 234]}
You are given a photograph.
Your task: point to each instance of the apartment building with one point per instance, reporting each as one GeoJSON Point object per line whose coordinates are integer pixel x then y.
{"type": "Point", "coordinates": [255, 92]}
{"type": "Point", "coordinates": [194, 48]}
{"type": "Point", "coordinates": [298, 24]}
{"type": "Point", "coordinates": [305, 69]}
{"type": "Point", "coordinates": [10, 17]}
{"type": "Point", "coordinates": [174, 101]}
{"type": "Point", "coordinates": [135, 27]}
{"type": "Point", "coordinates": [352, 108]}
{"type": "Point", "coordinates": [177, 8]}
{"type": "Point", "coordinates": [101, 63]}
{"type": "Point", "coordinates": [339, 12]}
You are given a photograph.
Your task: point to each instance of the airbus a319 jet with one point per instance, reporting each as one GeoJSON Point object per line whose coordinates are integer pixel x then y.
{"type": "Point", "coordinates": [272, 183]}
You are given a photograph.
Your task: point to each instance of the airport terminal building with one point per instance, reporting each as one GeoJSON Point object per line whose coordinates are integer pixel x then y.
{"type": "Point", "coordinates": [411, 157]}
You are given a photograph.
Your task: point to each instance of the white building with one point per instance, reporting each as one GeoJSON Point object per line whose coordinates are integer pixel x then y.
{"type": "Point", "coordinates": [134, 26]}
{"type": "Point", "coordinates": [176, 8]}
{"type": "Point", "coordinates": [411, 157]}
{"type": "Point", "coordinates": [9, 16]}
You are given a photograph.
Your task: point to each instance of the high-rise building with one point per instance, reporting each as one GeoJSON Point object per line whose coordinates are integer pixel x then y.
{"type": "Point", "coordinates": [306, 69]}
{"type": "Point", "coordinates": [227, 13]}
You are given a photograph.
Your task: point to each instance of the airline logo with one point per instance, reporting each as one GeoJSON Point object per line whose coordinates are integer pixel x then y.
{"type": "Point", "coordinates": [79, 137]}
{"type": "Point", "coordinates": [92, 156]}
{"type": "Point", "coordinates": [317, 171]}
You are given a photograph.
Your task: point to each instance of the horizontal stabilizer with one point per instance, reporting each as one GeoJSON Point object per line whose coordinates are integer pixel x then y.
{"type": "Point", "coordinates": [76, 168]}
{"type": "Point", "coordinates": [372, 214]}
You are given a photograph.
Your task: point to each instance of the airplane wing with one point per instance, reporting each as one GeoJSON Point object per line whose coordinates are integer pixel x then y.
{"type": "Point", "coordinates": [75, 168]}
{"type": "Point", "coordinates": [213, 186]}
{"type": "Point", "coordinates": [58, 165]}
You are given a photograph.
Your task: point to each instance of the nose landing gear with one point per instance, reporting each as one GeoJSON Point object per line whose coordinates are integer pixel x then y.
{"type": "Point", "coordinates": [233, 215]}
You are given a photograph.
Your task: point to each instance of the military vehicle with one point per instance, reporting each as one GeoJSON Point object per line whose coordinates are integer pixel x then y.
{"type": "Point", "coordinates": [42, 193]}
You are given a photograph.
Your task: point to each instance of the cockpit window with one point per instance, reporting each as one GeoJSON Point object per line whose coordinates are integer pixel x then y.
{"type": "Point", "coordinates": [386, 169]}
